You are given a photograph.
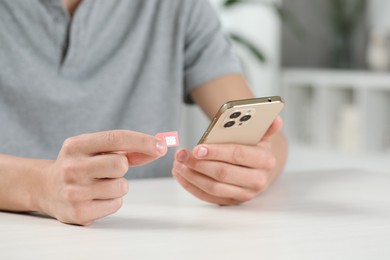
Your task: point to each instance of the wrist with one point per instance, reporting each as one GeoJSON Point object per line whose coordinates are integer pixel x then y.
{"type": "Point", "coordinates": [22, 182]}
{"type": "Point", "coordinates": [38, 185]}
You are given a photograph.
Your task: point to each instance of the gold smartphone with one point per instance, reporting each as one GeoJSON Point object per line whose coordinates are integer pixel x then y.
{"type": "Point", "coordinates": [243, 121]}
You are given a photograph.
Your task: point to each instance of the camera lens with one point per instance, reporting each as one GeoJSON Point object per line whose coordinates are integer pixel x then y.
{"type": "Point", "coordinates": [229, 124]}
{"type": "Point", "coordinates": [245, 118]}
{"type": "Point", "coordinates": [235, 115]}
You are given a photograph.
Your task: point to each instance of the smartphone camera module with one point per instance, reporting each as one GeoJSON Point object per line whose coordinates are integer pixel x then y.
{"type": "Point", "coordinates": [245, 118]}
{"type": "Point", "coordinates": [237, 118]}
{"type": "Point", "coordinates": [235, 115]}
{"type": "Point", "coordinates": [229, 124]}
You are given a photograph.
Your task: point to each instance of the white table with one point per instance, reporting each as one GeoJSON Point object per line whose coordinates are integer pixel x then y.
{"type": "Point", "coordinates": [343, 214]}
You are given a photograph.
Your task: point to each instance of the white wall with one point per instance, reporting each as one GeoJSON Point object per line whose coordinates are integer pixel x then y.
{"type": "Point", "coordinates": [262, 26]}
{"type": "Point", "coordinates": [379, 15]}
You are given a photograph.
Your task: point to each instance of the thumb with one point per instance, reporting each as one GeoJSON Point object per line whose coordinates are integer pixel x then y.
{"type": "Point", "coordinates": [274, 128]}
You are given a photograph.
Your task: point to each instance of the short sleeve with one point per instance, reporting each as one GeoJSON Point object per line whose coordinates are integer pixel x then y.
{"type": "Point", "coordinates": [208, 53]}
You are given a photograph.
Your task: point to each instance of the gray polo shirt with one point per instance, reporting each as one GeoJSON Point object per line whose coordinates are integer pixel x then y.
{"type": "Point", "coordinates": [118, 64]}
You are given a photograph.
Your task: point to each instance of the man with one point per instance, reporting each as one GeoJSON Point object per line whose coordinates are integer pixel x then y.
{"type": "Point", "coordinates": [76, 70]}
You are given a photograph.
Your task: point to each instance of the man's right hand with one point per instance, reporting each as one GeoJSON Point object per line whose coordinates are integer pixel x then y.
{"type": "Point", "coordinates": [87, 182]}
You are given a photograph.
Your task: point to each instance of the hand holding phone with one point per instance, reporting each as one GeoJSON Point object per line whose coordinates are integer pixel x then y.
{"type": "Point", "coordinates": [243, 121]}
{"type": "Point", "coordinates": [233, 162]}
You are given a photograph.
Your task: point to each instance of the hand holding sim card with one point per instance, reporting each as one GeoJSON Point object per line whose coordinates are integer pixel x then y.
{"type": "Point", "coordinates": [170, 138]}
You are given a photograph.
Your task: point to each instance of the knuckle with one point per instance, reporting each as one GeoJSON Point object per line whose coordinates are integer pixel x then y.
{"type": "Point", "coordinates": [146, 144]}
{"type": "Point", "coordinates": [79, 216]}
{"type": "Point", "coordinates": [270, 162]}
{"type": "Point", "coordinates": [124, 186]}
{"type": "Point", "coordinates": [69, 168]}
{"type": "Point", "coordinates": [70, 145]}
{"type": "Point", "coordinates": [149, 143]}
{"type": "Point", "coordinates": [259, 184]}
{"type": "Point", "coordinates": [238, 155]}
{"type": "Point", "coordinates": [119, 166]}
{"type": "Point", "coordinates": [222, 174]}
{"type": "Point", "coordinates": [114, 137]}
{"type": "Point", "coordinates": [215, 189]}
{"type": "Point", "coordinates": [123, 165]}
{"type": "Point", "coordinates": [72, 195]}
{"type": "Point", "coordinates": [197, 165]}
{"type": "Point", "coordinates": [69, 172]}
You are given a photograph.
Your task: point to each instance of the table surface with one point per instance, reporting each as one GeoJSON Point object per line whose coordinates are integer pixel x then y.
{"type": "Point", "coordinates": [340, 214]}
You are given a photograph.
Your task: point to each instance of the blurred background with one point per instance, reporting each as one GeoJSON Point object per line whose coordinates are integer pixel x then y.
{"type": "Point", "coordinates": [330, 61]}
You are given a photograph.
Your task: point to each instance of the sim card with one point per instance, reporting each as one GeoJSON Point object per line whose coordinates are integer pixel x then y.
{"type": "Point", "coordinates": [170, 138]}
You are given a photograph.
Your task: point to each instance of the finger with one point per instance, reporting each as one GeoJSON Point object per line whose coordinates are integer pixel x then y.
{"type": "Point", "coordinates": [113, 141]}
{"type": "Point", "coordinates": [274, 128]}
{"type": "Point", "coordinates": [100, 189]}
{"type": "Point", "coordinates": [109, 189]}
{"type": "Point", "coordinates": [200, 193]}
{"type": "Point", "coordinates": [248, 156]}
{"type": "Point", "coordinates": [139, 159]}
{"type": "Point", "coordinates": [248, 178]}
{"type": "Point", "coordinates": [85, 170]}
{"type": "Point", "coordinates": [215, 188]}
{"type": "Point", "coordinates": [111, 165]}
{"type": "Point", "coordinates": [133, 159]}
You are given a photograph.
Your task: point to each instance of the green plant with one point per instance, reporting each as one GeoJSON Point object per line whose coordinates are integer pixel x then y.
{"type": "Point", "coordinates": [285, 16]}
{"type": "Point", "coordinates": [345, 16]}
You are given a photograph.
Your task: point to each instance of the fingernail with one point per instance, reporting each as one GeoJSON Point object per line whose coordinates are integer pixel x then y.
{"type": "Point", "coordinates": [182, 156]}
{"type": "Point", "coordinates": [202, 151]}
{"type": "Point", "coordinates": [161, 147]}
